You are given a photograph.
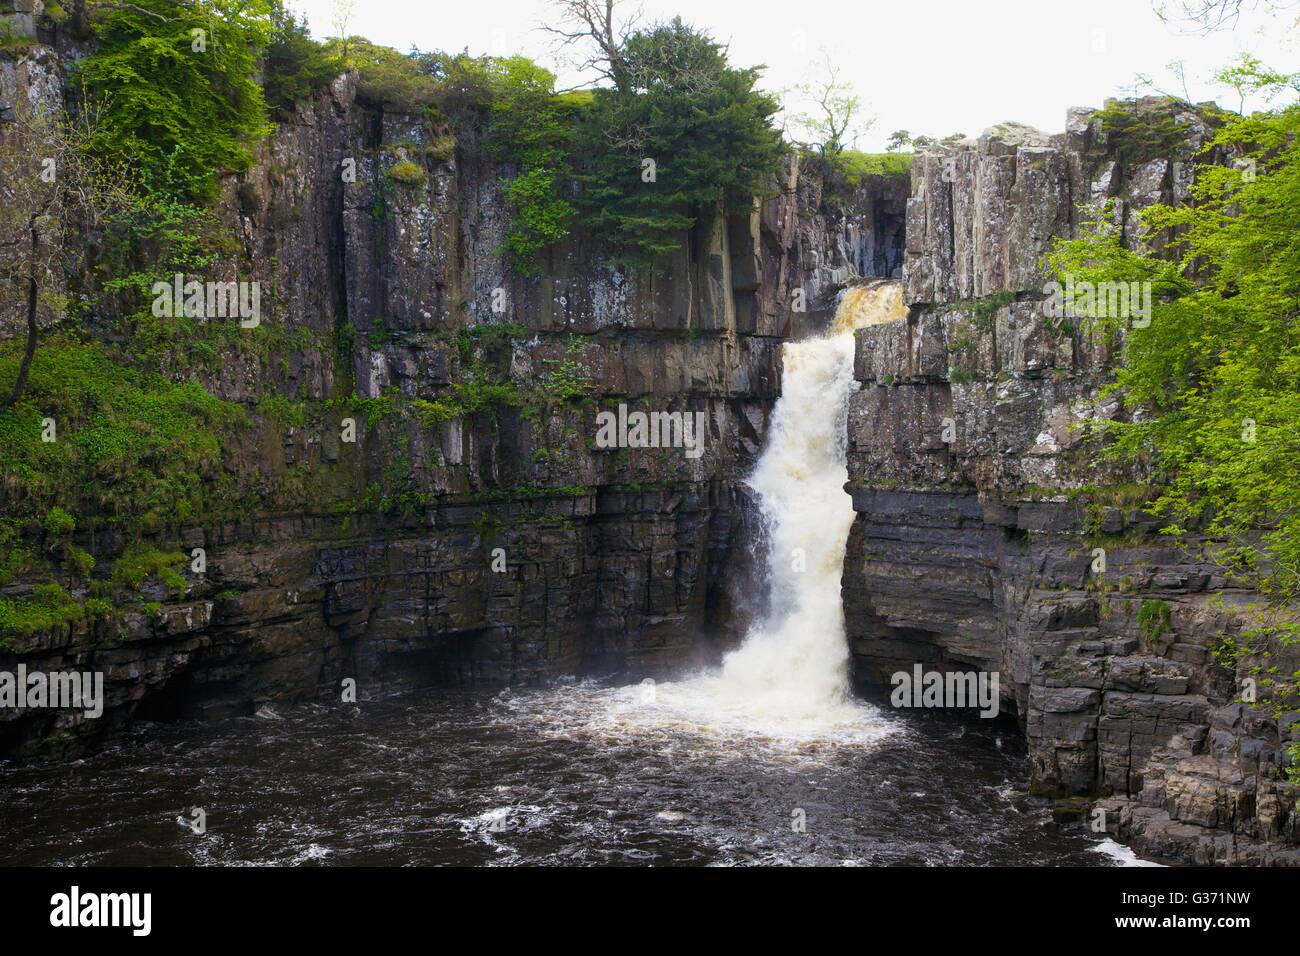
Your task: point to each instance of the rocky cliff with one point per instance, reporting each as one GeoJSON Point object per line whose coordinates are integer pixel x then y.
{"type": "Point", "coordinates": [982, 512]}
{"type": "Point", "coordinates": [471, 531]}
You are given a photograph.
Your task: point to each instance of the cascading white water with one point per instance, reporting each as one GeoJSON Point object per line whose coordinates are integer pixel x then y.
{"type": "Point", "coordinates": [787, 684]}
{"type": "Point", "coordinates": [793, 664]}
{"type": "Point", "coordinates": [795, 661]}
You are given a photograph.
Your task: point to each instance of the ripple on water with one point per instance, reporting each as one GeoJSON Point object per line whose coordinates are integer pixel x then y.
{"type": "Point", "coordinates": [579, 774]}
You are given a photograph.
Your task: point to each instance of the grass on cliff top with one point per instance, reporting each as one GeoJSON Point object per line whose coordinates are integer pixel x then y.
{"type": "Point", "coordinates": [858, 166]}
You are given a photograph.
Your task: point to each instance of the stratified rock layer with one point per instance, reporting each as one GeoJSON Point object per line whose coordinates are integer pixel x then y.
{"type": "Point", "coordinates": [974, 547]}
{"type": "Point", "coordinates": [500, 545]}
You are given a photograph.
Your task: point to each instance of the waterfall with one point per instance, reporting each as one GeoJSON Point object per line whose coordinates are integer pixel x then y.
{"type": "Point", "coordinates": [794, 662]}
{"type": "Point", "coordinates": [785, 690]}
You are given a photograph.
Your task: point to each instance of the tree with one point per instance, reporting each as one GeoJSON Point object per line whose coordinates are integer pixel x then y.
{"type": "Point", "coordinates": [898, 140]}
{"type": "Point", "coordinates": [835, 120]}
{"type": "Point", "coordinates": [340, 18]}
{"type": "Point", "coordinates": [1211, 385]}
{"type": "Point", "coordinates": [52, 187]}
{"type": "Point", "coordinates": [180, 101]}
{"type": "Point", "coordinates": [295, 65]}
{"type": "Point", "coordinates": [583, 22]}
{"type": "Point", "coordinates": [687, 131]}
{"type": "Point", "coordinates": [1216, 374]}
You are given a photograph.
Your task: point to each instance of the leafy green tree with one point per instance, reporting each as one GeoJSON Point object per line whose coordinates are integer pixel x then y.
{"type": "Point", "coordinates": [530, 128]}
{"type": "Point", "coordinates": [182, 104]}
{"type": "Point", "coordinates": [834, 120]}
{"type": "Point", "coordinates": [1216, 374]}
{"type": "Point", "coordinates": [899, 140]}
{"type": "Point", "coordinates": [689, 131]}
{"type": "Point", "coordinates": [295, 65]}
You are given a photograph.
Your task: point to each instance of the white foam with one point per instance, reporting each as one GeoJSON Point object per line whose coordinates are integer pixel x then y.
{"type": "Point", "coordinates": [1120, 853]}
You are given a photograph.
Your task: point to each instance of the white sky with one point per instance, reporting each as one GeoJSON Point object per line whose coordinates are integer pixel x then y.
{"type": "Point", "coordinates": [929, 66]}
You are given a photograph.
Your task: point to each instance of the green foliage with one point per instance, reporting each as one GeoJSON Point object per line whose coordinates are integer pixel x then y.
{"type": "Point", "coordinates": [296, 66]}
{"type": "Point", "coordinates": [441, 148]}
{"type": "Point", "coordinates": [385, 78]}
{"type": "Point", "coordinates": [1138, 132]}
{"type": "Point", "coordinates": [565, 378]}
{"type": "Point", "coordinates": [702, 123]}
{"type": "Point", "coordinates": [49, 606]}
{"type": "Point", "coordinates": [176, 114]}
{"type": "Point", "coordinates": [529, 128]}
{"type": "Point", "coordinates": [987, 308]}
{"type": "Point", "coordinates": [1216, 375]}
{"type": "Point", "coordinates": [58, 523]}
{"type": "Point", "coordinates": [858, 166]}
{"type": "Point", "coordinates": [151, 240]}
{"type": "Point", "coordinates": [97, 608]}
{"type": "Point", "coordinates": [844, 171]}
{"type": "Point", "coordinates": [407, 173]}
{"type": "Point", "coordinates": [141, 562]}
{"type": "Point", "coordinates": [285, 412]}
{"type": "Point", "coordinates": [135, 447]}
{"type": "Point", "coordinates": [1154, 620]}
{"type": "Point", "coordinates": [82, 560]}
{"type": "Point", "coordinates": [490, 339]}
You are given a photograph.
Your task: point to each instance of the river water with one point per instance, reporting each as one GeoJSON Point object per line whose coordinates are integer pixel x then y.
{"type": "Point", "coordinates": [545, 776]}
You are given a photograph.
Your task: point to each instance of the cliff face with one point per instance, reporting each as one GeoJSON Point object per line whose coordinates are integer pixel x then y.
{"type": "Point", "coordinates": [454, 540]}
{"type": "Point", "coordinates": [974, 549]}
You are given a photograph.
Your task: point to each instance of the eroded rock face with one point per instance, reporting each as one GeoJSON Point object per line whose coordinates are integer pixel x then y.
{"type": "Point", "coordinates": [630, 560]}
{"type": "Point", "coordinates": [974, 550]}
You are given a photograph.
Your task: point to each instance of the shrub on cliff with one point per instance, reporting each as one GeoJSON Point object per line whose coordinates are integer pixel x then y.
{"type": "Point", "coordinates": [386, 78]}
{"type": "Point", "coordinates": [296, 66]}
{"type": "Point", "coordinates": [1216, 373]}
{"type": "Point", "coordinates": [529, 128]}
{"type": "Point", "coordinates": [92, 436]}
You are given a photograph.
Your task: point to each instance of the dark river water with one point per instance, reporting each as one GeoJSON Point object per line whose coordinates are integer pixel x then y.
{"type": "Point", "coordinates": [553, 776]}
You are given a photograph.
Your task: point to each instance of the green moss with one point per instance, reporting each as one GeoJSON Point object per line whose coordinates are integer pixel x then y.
{"type": "Point", "coordinates": [441, 148]}
{"type": "Point", "coordinates": [129, 447]}
{"type": "Point", "coordinates": [858, 166]}
{"type": "Point", "coordinates": [285, 412]}
{"type": "Point", "coordinates": [49, 606]}
{"type": "Point", "coordinates": [407, 173]}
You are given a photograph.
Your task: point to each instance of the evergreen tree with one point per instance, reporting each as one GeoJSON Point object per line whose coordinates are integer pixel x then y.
{"type": "Point", "coordinates": [689, 132]}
